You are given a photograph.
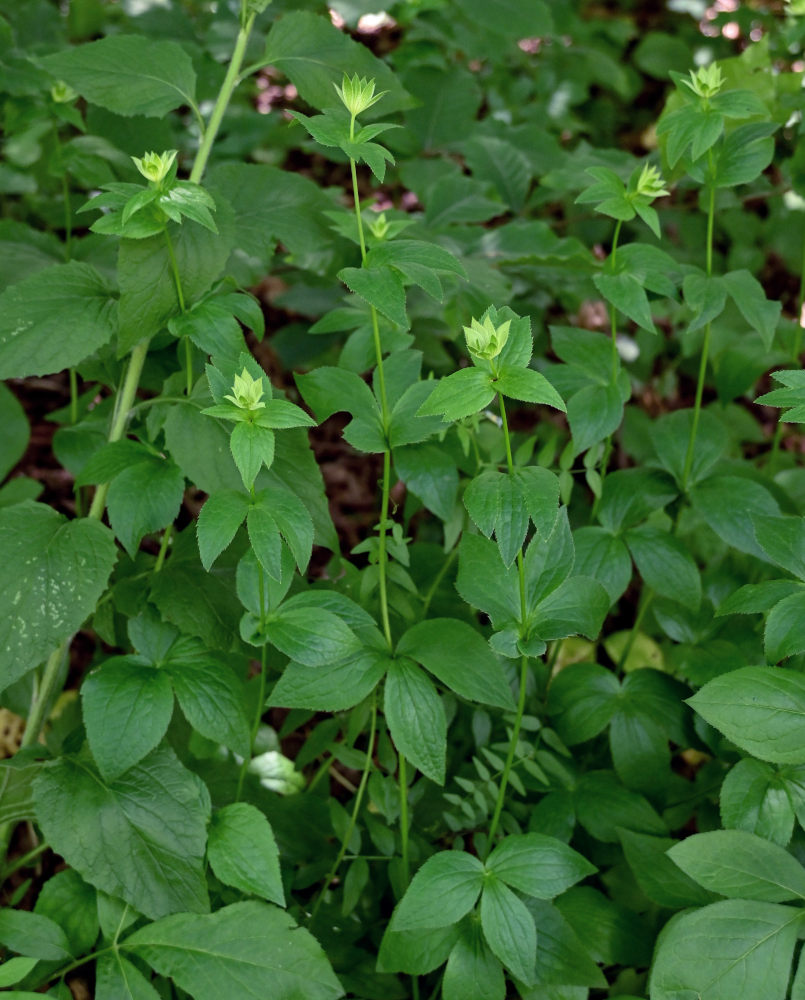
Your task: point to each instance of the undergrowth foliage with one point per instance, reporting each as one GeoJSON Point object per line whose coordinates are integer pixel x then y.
{"type": "Point", "coordinates": [541, 731]}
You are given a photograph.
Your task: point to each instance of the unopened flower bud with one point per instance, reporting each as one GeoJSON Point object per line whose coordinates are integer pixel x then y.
{"type": "Point", "coordinates": [707, 81]}
{"type": "Point", "coordinates": [155, 166]}
{"type": "Point", "coordinates": [357, 94]}
{"type": "Point", "coordinates": [484, 339]}
{"type": "Point", "coordinates": [247, 392]}
{"type": "Point", "coordinates": [650, 183]}
{"type": "Point", "coordinates": [62, 93]}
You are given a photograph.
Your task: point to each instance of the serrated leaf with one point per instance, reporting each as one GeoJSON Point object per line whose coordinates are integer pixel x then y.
{"type": "Point", "coordinates": [243, 852]}
{"type": "Point", "coordinates": [218, 521]}
{"type": "Point", "coordinates": [54, 319]}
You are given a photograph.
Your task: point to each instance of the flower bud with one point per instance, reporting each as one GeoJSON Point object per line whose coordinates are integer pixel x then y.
{"type": "Point", "coordinates": [155, 166]}
{"type": "Point", "coordinates": [379, 226]}
{"type": "Point", "coordinates": [247, 392]}
{"type": "Point", "coordinates": [357, 94]}
{"type": "Point", "coordinates": [62, 93]}
{"type": "Point", "coordinates": [707, 81]}
{"type": "Point", "coordinates": [485, 340]}
{"type": "Point", "coordinates": [650, 183]}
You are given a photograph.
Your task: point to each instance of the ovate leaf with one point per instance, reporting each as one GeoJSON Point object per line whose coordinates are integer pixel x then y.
{"type": "Point", "coordinates": [60, 570]}
{"type": "Point", "coordinates": [149, 829]}
{"type": "Point", "coordinates": [444, 889]}
{"type": "Point", "coordinates": [416, 719]}
{"type": "Point", "coordinates": [254, 945]}
{"type": "Point", "coordinates": [54, 319]}
{"type": "Point", "coordinates": [128, 74]}
{"type": "Point", "coordinates": [243, 853]}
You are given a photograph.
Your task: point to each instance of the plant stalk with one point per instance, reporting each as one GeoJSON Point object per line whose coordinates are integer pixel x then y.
{"type": "Point", "coordinates": [367, 767]}
{"type": "Point", "coordinates": [697, 405]}
{"type": "Point", "coordinates": [518, 719]}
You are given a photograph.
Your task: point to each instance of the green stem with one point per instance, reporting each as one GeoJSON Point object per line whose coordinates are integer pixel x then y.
{"type": "Point", "coordinates": [25, 860]}
{"type": "Point", "coordinates": [515, 737]}
{"type": "Point", "coordinates": [124, 404]}
{"type": "Point", "coordinates": [79, 962]}
{"type": "Point", "coordinates": [697, 405]}
{"type": "Point", "coordinates": [518, 719]}
{"type": "Point", "coordinates": [261, 694]}
{"type": "Point", "coordinates": [613, 313]}
{"type": "Point", "coordinates": [367, 767]}
{"type": "Point", "coordinates": [448, 562]}
{"type": "Point", "coordinates": [163, 548]}
{"type": "Point", "coordinates": [188, 347]}
{"type": "Point", "coordinates": [404, 817]}
{"type": "Point", "coordinates": [382, 555]}
{"type": "Point", "coordinates": [224, 95]}
{"type": "Point", "coordinates": [645, 600]}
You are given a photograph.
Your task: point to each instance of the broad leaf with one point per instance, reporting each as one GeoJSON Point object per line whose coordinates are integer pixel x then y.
{"type": "Point", "coordinates": [243, 853]}
{"type": "Point", "coordinates": [60, 570]}
{"type": "Point", "coordinates": [416, 719]}
{"type": "Point", "coordinates": [149, 848]}
{"type": "Point", "coordinates": [538, 865]}
{"type": "Point", "coordinates": [509, 929]}
{"type": "Point", "coordinates": [54, 319]}
{"type": "Point", "coordinates": [255, 945]}
{"type": "Point", "coordinates": [444, 889]}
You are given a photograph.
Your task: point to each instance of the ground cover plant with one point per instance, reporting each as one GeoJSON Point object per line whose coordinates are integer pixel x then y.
{"type": "Point", "coordinates": [402, 546]}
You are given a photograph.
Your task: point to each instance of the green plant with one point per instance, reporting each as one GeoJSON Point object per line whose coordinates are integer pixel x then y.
{"type": "Point", "coordinates": [529, 726]}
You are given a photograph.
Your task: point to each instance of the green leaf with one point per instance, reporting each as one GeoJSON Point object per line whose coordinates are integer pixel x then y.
{"type": "Point", "coordinates": [706, 297]}
{"type": "Point", "coordinates": [760, 709]}
{"type": "Point", "coordinates": [127, 706]}
{"type": "Point", "coordinates": [430, 474]}
{"type": "Point", "coordinates": [265, 540]}
{"type": "Point", "coordinates": [218, 521]}
{"type": "Point", "coordinates": [639, 747]}
{"type": "Point", "coordinates": [581, 701]}
{"type": "Point", "coordinates": [148, 298]}
{"type": "Point", "coordinates": [381, 287]}
{"type": "Point", "coordinates": [509, 929]}
{"type": "Point", "coordinates": [665, 565]}
{"type": "Point", "coordinates": [117, 979]}
{"type": "Point", "coordinates": [509, 18]}
{"type": "Point", "coordinates": [714, 500]}
{"type": "Point", "coordinates": [604, 807]}
{"type": "Point", "coordinates": [444, 890]}
{"type": "Point", "coordinates": [745, 154]}
{"type": "Point", "coordinates": [416, 719]}
{"type": "Point", "coordinates": [630, 495]}
{"type": "Point", "coordinates": [484, 582]}
{"type": "Point", "coordinates": [538, 865]}
{"type": "Point", "coordinates": [54, 319]}
{"type": "Point", "coordinates": [625, 292]}
{"type": "Point", "coordinates": [14, 969]}
{"type": "Point", "coordinates": [61, 569]}
{"type": "Point", "coordinates": [417, 952]}
{"type": "Point", "coordinates": [528, 386]}
{"type": "Point", "coordinates": [314, 55]}
{"type": "Point", "coordinates": [16, 431]}
{"type": "Point", "coordinates": [144, 498]}
{"type": "Point", "coordinates": [604, 558]}
{"type": "Point", "coordinates": [252, 944]}
{"type": "Point", "coordinates": [500, 163]}
{"type": "Point", "coordinates": [755, 947]}
{"type": "Point", "coordinates": [472, 970]}
{"type": "Point", "coordinates": [459, 657]}
{"type": "Point", "coordinates": [73, 905]}
{"type": "Point", "coordinates": [149, 849]}
{"type": "Point", "coordinates": [16, 780]}
{"type": "Point", "coordinates": [460, 395]}
{"type": "Point", "coordinates": [612, 934]}
{"type": "Point", "coordinates": [252, 447]}
{"type": "Point", "coordinates": [577, 607]}
{"type": "Point", "coordinates": [128, 74]}
{"type": "Point", "coordinates": [209, 694]}
{"type": "Point", "coordinates": [748, 295]}
{"type": "Point", "coordinates": [332, 687]}
{"type": "Point", "coordinates": [783, 541]}
{"type": "Point", "coordinates": [498, 502]}
{"type": "Point", "coordinates": [593, 413]}
{"type": "Point", "coordinates": [740, 865]}
{"type": "Point", "coordinates": [293, 520]}
{"type": "Point", "coordinates": [243, 853]}
{"type": "Point", "coordinates": [333, 390]}
{"type": "Point", "coordinates": [755, 798]}
{"type": "Point", "coordinates": [312, 636]}
{"type": "Point", "coordinates": [659, 878]}
{"type": "Point", "coordinates": [33, 935]}
{"type": "Point", "coordinates": [670, 435]}
{"type": "Point", "coordinates": [785, 628]}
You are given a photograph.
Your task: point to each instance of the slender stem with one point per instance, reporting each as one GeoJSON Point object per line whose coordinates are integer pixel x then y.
{"type": "Point", "coordinates": [518, 719]}
{"type": "Point", "coordinates": [261, 694]}
{"type": "Point", "coordinates": [68, 216]}
{"type": "Point", "coordinates": [25, 860]}
{"type": "Point", "coordinates": [697, 405]}
{"type": "Point", "coordinates": [382, 555]}
{"type": "Point", "coordinates": [448, 562]}
{"type": "Point", "coordinates": [367, 767]}
{"type": "Point", "coordinates": [646, 598]}
{"type": "Point", "coordinates": [188, 347]}
{"type": "Point", "coordinates": [125, 402]}
{"type": "Point", "coordinates": [613, 313]}
{"type": "Point", "coordinates": [515, 737]}
{"type": "Point", "coordinates": [163, 548]}
{"type": "Point", "coordinates": [80, 961]}
{"type": "Point", "coordinates": [227, 89]}
{"type": "Point", "coordinates": [404, 816]}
